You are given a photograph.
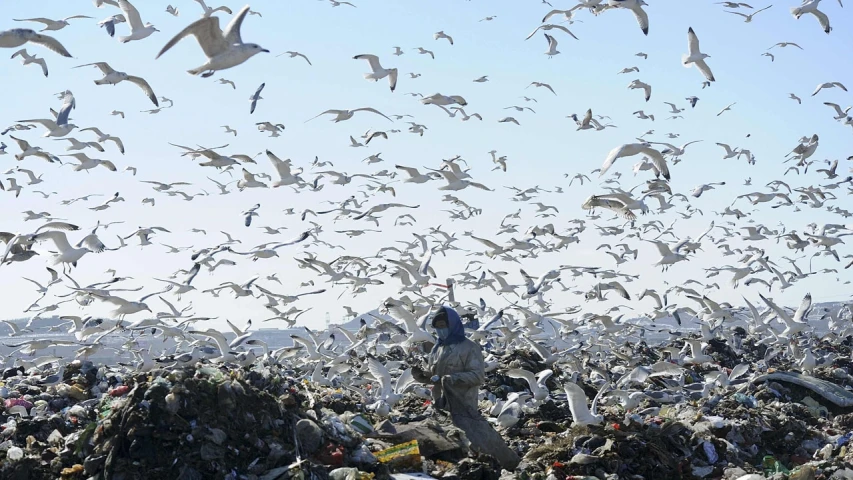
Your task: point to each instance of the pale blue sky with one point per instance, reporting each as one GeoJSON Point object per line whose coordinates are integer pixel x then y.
{"type": "Point", "coordinates": [544, 147]}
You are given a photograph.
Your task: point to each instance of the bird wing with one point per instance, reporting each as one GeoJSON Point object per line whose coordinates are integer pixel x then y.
{"type": "Point", "coordinates": [657, 160]}
{"type": "Point", "coordinates": [576, 398]}
{"type": "Point", "coordinates": [836, 107]}
{"type": "Point", "coordinates": [50, 43]}
{"type": "Point", "coordinates": [232, 30]}
{"type": "Point", "coordinates": [524, 374]}
{"type": "Point", "coordinates": [552, 42]}
{"type": "Point", "coordinates": [642, 19]}
{"type": "Point", "coordinates": [373, 60]}
{"type": "Point", "coordinates": [692, 42]}
{"type": "Point", "coordinates": [705, 69]}
{"type": "Point", "coordinates": [59, 239]}
{"type": "Point", "coordinates": [206, 32]}
{"type": "Point", "coordinates": [662, 248]}
{"type": "Point", "coordinates": [139, 81]}
{"type": "Point", "coordinates": [392, 79]}
{"type": "Point", "coordinates": [131, 14]}
{"type": "Point", "coordinates": [804, 308]}
{"type": "Point", "coordinates": [611, 157]}
{"type": "Point", "coordinates": [533, 33]}
{"type": "Point", "coordinates": [370, 109]}
{"type": "Point", "coordinates": [65, 111]}
{"type": "Point", "coordinates": [560, 27]}
{"type": "Point", "coordinates": [93, 243]}
{"type": "Point", "coordinates": [381, 374]}
{"type": "Point", "coordinates": [822, 19]}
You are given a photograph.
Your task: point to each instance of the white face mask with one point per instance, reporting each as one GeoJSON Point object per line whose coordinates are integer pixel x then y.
{"type": "Point", "coordinates": [443, 333]}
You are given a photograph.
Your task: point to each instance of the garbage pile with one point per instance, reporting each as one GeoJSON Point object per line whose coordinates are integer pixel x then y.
{"type": "Point", "coordinates": [268, 422]}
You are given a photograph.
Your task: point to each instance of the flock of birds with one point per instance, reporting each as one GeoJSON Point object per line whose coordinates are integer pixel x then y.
{"type": "Point", "coordinates": [529, 309]}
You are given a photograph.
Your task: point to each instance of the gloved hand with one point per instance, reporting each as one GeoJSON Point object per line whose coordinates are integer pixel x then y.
{"type": "Point", "coordinates": [435, 379]}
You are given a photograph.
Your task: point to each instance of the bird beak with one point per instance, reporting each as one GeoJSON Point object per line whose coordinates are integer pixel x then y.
{"type": "Point", "coordinates": [265, 51]}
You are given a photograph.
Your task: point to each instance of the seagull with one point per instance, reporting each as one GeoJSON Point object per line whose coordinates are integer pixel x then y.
{"type": "Point", "coordinates": [794, 97]}
{"type": "Point", "coordinates": [378, 72]}
{"type": "Point", "coordinates": [254, 98]}
{"type": "Point", "coordinates": [550, 27]}
{"type": "Point", "coordinates": [828, 85]}
{"type": "Point", "coordinates": [698, 191]}
{"type": "Point", "coordinates": [645, 86]}
{"type": "Point", "coordinates": [786, 44]}
{"type": "Point", "coordinates": [19, 36]}
{"type": "Point", "coordinates": [810, 6]}
{"type": "Point", "coordinates": [423, 51]}
{"type": "Point", "coordinates": [768, 54]}
{"type": "Point", "coordinates": [110, 23]}
{"type": "Point", "coordinates": [441, 34]}
{"type": "Point", "coordinates": [341, 115]}
{"type": "Point", "coordinates": [728, 107]}
{"type": "Point", "coordinates": [87, 163]}
{"type": "Point", "coordinates": [229, 130]}
{"type": "Point", "coordinates": [223, 48]}
{"type": "Point", "coordinates": [138, 30]}
{"type": "Point", "coordinates": [210, 11]}
{"type": "Point", "coordinates": [628, 70]}
{"type": "Point", "coordinates": [172, 11]}
{"type": "Point", "coordinates": [113, 77]}
{"type": "Point", "coordinates": [576, 398]}
{"type": "Point", "coordinates": [117, 112]}
{"type": "Point", "coordinates": [733, 4]}
{"type": "Point", "coordinates": [78, 145]}
{"type": "Point", "coordinates": [294, 55]}
{"type": "Point", "coordinates": [552, 46]}
{"type": "Point", "coordinates": [103, 137]}
{"type": "Point", "coordinates": [483, 79]}
{"type": "Point", "coordinates": [695, 57]}
{"type": "Point", "coordinates": [52, 24]}
{"type": "Point", "coordinates": [748, 18]}
{"type": "Point", "coordinates": [27, 59]}
{"type": "Point", "coordinates": [540, 84]}
{"type": "Point", "coordinates": [66, 253]}
{"type": "Point", "coordinates": [636, 7]}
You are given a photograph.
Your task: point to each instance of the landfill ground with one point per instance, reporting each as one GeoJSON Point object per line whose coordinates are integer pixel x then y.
{"type": "Point", "coordinates": [267, 422]}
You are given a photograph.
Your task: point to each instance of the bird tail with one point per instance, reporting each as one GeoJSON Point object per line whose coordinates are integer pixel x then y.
{"type": "Point", "coordinates": [196, 71]}
{"type": "Point", "coordinates": [684, 60]}
{"type": "Point", "coordinates": [796, 12]}
{"type": "Point", "coordinates": [123, 39]}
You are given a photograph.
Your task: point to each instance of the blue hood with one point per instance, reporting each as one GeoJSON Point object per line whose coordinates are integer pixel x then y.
{"type": "Point", "coordinates": [454, 323]}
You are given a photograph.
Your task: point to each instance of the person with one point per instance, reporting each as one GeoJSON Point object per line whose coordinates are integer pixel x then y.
{"type": "Point", "coordinates": [457, 371]}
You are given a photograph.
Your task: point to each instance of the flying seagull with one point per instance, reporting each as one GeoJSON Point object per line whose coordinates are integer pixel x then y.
{"type": "Point", "coordinates": [223, 48]}
{"type": "Point", "coordinates": [112, 77]}
{"type": "Point", "coordinates": [52, 24]}
{"type": "Point", "coordinates": [255, 97]}
{"type": "Point", "coordinates": [378, 72]}
{"type": "Point", "coordinates": [695, 57]}
{"type": "Point", "coordinates": [28, 59]}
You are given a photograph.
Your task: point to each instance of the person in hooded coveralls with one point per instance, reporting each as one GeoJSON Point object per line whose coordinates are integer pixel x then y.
{"type": "Point", "coordinates": [457, 371]}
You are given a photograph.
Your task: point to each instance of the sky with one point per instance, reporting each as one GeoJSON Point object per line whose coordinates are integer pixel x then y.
{"type": "Point", "coordinates": [540, 151]}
